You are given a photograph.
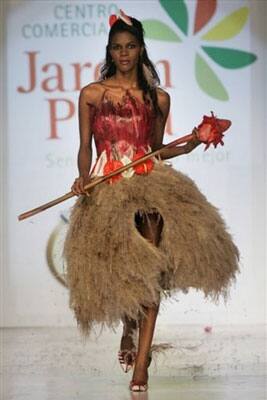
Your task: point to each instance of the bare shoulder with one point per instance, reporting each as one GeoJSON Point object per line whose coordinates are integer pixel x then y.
{"type": "Point", "coordinates": [91, 93]}
{"type": "Point", "coordinates": [163, 100]}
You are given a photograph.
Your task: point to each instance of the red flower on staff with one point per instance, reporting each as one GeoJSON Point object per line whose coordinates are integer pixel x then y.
{"type": "Point", "coordinates": [111, 166]}
{"type": "Point", "coordinates": [145, 167]}
{"type": "Point", "coordinates": [211, 129]}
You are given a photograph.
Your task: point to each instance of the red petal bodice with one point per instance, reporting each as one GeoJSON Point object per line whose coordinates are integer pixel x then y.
{"type": "Point", "coordinates": [124, 124]}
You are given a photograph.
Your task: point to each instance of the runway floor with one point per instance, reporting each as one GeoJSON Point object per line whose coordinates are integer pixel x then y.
{"type": "Point", "coordinates": [55, 364]}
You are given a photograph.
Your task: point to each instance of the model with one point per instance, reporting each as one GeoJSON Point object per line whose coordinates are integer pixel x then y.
{"type": "Point", "coordinates": [149, 232]}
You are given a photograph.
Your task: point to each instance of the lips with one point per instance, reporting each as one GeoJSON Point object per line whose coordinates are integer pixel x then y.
{"type": "Point", "coordinates": [124, 62]}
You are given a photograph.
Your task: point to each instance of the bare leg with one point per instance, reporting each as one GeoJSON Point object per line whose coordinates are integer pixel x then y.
{"type": "Point", "coordinates": [150, 228]}
{"type": "Point", "coordinates": [146, 332]}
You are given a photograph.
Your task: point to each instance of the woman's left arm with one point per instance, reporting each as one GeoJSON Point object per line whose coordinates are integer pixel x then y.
{"type": "Point", "coordinates": [159, 128]}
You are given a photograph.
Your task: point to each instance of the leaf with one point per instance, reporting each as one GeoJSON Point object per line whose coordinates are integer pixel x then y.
{"type": "Point", "coordinates": [158, 30]}
{"type": "Point", "coordinates": [230, 58]}
{"type": "Point", "coordinates": [204, 12]}
{"type": "Point", "coordinates": [229, 27]}
{"type": "Point", "coordinates": [177, 11]}
{"type": "Point", "coordinates": [208, 81]}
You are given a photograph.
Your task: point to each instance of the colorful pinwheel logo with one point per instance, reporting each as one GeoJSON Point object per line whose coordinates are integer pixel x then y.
{"type": "Point", "coordinates": [226, 29]}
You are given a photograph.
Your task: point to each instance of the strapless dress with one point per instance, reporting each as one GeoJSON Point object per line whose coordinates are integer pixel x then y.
{"type": "Point", "coordinates": [112, 270]}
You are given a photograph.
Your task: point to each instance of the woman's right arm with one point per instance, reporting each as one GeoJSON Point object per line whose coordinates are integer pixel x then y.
{"type": "Point", "coordinates": [85, 149]}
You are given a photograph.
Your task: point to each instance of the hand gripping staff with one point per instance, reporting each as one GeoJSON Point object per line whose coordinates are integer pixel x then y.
{"type": "Point", "coordinates": [209, 131]}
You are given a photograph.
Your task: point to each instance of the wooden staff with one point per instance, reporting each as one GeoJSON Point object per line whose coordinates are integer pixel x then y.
{"type": "Point", "coordinates": [100, 179]}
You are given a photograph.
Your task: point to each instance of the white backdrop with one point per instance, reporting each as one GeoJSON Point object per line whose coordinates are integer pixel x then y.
{"type": "Point", "coordinates": [52, 49]}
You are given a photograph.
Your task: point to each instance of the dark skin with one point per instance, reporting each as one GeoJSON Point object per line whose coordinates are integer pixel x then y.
{"type": "Point", "coordinates": [125, 52]}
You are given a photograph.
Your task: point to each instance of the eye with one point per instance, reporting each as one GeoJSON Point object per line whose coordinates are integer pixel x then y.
{"type": "Point", "coordinates": [115, 46]}
{"type": "Point", "coordinates": [131, 46]}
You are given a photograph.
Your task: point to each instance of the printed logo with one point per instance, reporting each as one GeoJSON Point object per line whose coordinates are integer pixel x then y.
{"type": "Point", "coordinates": [225, 29]}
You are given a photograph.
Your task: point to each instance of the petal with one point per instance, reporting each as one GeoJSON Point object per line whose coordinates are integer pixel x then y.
{"type": "Point", "coordinates": [208, 81]}
{"type": "Point", "coordinates": [128, 173]}
{"type": "Point", "coordinates": [125, 160]}
{"type": "Point", "coordinates": [230, 58]}
{"type": "Point", "coordinates": [204, 12]}
{"type": "Point", "coordinates": [155, 29]}
{"type": "Point", "coordinates": [229, 27]}
{"type": "Point", "coordinates": [177, 11]}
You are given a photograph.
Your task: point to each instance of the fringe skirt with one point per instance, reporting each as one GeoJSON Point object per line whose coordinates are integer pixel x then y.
{"type": "Point", "coordinates": [113, 271]}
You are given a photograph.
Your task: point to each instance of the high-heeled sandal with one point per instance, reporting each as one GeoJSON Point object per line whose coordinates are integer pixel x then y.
{"type": "Point", "coordinates": [136, 386]}
{"type": "Point", "coordinates": [141, 386]}
{"type": "Point", "coordinates": [126, 359]}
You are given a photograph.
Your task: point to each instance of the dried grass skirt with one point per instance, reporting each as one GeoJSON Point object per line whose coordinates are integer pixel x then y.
{"type": "Point", "coordinates": [112, 270]}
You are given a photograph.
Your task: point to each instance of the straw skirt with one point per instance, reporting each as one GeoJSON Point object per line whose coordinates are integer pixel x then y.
{"type": "Point", "coordinates": [112, 270]}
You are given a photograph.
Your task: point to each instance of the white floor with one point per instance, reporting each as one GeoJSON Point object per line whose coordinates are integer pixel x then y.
{"type": "Point", "coordinates": [228, 363]}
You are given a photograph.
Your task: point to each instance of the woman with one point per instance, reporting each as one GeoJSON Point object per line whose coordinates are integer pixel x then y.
{"type": "Point", "coordinates": [149, 232]}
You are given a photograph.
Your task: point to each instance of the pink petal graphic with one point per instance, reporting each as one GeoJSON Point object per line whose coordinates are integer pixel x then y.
{"type": "Point", "coordinates": [204, 12]}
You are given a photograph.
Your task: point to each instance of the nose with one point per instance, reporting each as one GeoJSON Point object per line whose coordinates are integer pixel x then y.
{"type": "Point", "coordinates": [124, 51]}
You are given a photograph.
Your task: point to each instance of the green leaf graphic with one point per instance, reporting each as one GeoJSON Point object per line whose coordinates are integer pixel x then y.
{"type": "Point", "coordinates": [177, 11]}
{"type": "Point", "coordinates": [230, 58]}
{"type": "Point", "coordinates": [208, 81]}
{"type": "Point", "coordinates": [229, 27]}
{"type": "Point", "coordinates": [155, 29]}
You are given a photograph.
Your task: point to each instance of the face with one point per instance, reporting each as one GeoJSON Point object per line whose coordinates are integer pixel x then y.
{"type": "Point", "coordinates": [125, 51]}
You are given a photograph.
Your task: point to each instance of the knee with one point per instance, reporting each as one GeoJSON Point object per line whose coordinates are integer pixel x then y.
{"type": "Point", "coordinates": [153, 307]}
{"type": "Point", "coordinates": [150, 226]}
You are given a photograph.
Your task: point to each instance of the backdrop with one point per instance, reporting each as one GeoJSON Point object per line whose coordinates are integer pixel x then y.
{"type": "Point", "coordinates": [211, 55]}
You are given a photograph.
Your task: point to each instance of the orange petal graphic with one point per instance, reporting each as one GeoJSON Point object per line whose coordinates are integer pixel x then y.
{"type": "Point", "coordinates": [204, 12]}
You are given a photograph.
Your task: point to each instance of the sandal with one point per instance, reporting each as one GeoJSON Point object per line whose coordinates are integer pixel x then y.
{"type": "Point", "coordinates": [136, 386]}
{"type": "Point", "coordinates": [126, 359]}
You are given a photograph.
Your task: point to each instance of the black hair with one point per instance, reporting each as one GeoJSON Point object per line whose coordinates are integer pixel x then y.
{"type": "Point", "coordinates": [109, 68]}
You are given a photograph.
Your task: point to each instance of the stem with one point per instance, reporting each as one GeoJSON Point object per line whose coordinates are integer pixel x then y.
{"type": "Point", "coordinates": [101, 179]}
